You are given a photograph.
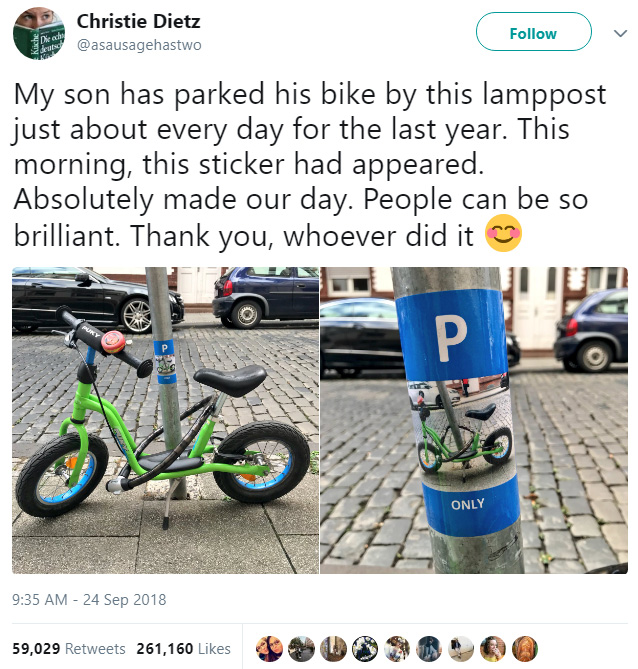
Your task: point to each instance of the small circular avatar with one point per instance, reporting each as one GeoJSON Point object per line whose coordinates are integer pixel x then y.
{"type": "Point", "coordinates": [397, 649]}
{"type": "Point", "coordinates": [269, 648]}
{"type": "Point", "coordinates": [301, 648]}
{"type": "Point", "coordinates": [493, 649]}
{"type": "Point", "coordinates": [503, 233]}
{"type": "Point", "coordinates": [38, 33]}
{"type": "Point", "coordinates": [365, 649]}
{"type": "Point", "coordinates": [524, 649]}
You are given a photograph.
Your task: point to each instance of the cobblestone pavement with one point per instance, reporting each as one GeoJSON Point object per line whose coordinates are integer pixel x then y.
{"type": "Point", "coordinates": [44, 378]}
{"type": "Point", "coordinates": [123, 534]}
{"type": "Point", "coordinates": [570, 436]}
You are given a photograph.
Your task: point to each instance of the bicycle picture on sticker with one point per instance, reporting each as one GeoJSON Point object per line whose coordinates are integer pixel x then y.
{"type": "Point", "coordinates": [462, 424]}
{"type": "Point", "coordinates": [165, 364]}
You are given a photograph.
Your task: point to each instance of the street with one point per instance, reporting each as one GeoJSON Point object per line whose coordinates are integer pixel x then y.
{"type": "Point", "coordinates": [123, 534]}
{"type": "Point", "coordinates": [570, 437]}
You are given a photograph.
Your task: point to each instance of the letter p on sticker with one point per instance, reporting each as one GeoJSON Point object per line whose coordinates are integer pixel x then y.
{"type": "Point", "coordinates": [164, 347]}
{"type": "Point", "coordinates": [443, 339]}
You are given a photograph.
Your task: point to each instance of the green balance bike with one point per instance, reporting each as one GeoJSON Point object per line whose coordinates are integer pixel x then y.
{"type": "Point", "coordinates": [256, 463]}
{"type": "Point", "coordinates": [496, 448]}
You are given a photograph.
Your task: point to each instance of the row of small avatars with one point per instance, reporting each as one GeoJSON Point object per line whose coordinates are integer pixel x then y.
{"type": "Point", "coordinates": [396, 649]}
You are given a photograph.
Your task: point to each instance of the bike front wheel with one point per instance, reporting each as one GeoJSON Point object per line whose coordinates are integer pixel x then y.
{"type": "Point", "coordinates": [42, 488]}
{"type": "Point", "coordinates": [283, 447]}
{"type": "Point", "coordinates": [503, 438]}
{"type": "Point", "coordinates": [433, 461]}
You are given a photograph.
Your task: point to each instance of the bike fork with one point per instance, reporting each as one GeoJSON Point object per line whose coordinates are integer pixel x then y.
{"type": "Point", "coordinates": [171, 490]}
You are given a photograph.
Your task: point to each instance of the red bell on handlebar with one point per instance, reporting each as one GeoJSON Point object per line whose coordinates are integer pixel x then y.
{"type": "Point", "coordinates": [113, 342]}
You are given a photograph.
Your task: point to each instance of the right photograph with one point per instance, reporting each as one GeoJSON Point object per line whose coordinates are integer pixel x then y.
{"type": "Point", "coordinates": [474, 420]}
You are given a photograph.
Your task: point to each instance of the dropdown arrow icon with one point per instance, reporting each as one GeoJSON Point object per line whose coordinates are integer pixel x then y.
{"type": "Point", "coordinates": [620, 34]}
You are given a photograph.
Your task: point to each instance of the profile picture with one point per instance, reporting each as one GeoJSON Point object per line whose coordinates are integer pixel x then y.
{"type": "Point", "coordinates": [365, 649]}
{"type": "Point", "coordinates": [429, 649]}
{"type": "Point", "coordinates": [493, 649]}
{"type": "Point", "coordinates": [38, 33]}
{"type": "Point", "coordinates": [397, 649]}
{"type": "Point", "coordinates": [524, 649]}
{"type": "Point", "coordinates": [333, 649]}
{"type": "Point", "coordinates": [460, 649]}
{"type": "Point", "coordinates": [269, 648]}
{"type": "Point", "coordinates": [301, 648]}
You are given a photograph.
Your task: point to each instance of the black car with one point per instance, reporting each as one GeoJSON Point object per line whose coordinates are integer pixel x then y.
{"type": "Point", "coordinates": [595, 333]}
{"type": "Point", "coordinates": [246, 295]}
{"type": "Point", "coordinates": [363, 333]}
{"type": "Point", "coordinates": [39, 291]}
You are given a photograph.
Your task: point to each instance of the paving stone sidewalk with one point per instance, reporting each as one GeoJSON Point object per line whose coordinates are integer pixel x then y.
{"type": "Point", "coordinates": [209, 533]}
{"type": "Point", "coordinates": [570, 435]}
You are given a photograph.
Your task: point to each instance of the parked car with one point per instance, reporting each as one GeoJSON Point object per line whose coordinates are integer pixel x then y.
{"type": "Point", "coordinates": [246, 295]}
{"type": "Point", "coordinates": [513, 349]}
{"type": "Point", "coordinates": [363, 333]}
{"type": "Point", "coordinates": [357, 334]}
{"type": "Point", "coordinates": [429, 393]}
{"type": "Point", "coordinates": [595, 333]}
{"type": "Point", "coordinates": [38, 291]}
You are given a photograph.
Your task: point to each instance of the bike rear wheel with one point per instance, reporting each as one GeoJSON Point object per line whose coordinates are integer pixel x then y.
{"type": "Point", "coordinates": [285, 450]}
{"type": "Point", "coordinates": [501, 437]}
{"type": "Point", "coordinates": [42, 489]}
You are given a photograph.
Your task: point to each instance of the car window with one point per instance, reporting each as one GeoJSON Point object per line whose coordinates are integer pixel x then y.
{"type": "Point", "coordinates": [616, 303]}
{"type": "Point", "coordinates": [54, 272]}
{"type": "Point", "coordinates": [269, 271]}
{"type": "Point", "coordinates": [308, 271]}
{"type": "Point", "coordinates": [21, 271]}
{"type": "Point", "coordinates": [374, 310]}
{"type": "Point", "coordinates": [338, 310]}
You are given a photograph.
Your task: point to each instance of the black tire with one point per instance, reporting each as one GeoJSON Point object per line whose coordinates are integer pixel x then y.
{"type": "Point", "coordinates": [594, 357]}
{"type": "Point", "coordinates": [136, 315]}
{"type": "Point", "coordinates": [439, 402]}
{"type": "Point", "coordinates": [227, 322]}
{"type": "Point", "coordinates": [322, 366]}
{"type": "Point", "coordinates": [246, 315]}
{"type": "Point", "coordinates": [497, 459]}
{"type": "Point", "coordinates": [348, 372]}
{"type": "Point", "coordinates": [247, 438]}
{"type": "Point", "coordinates": [27, 488]}
{"type": "Point", "coordinates": [570, 365]}
{"type": "Point", "coordinates": [25, 329]}
{"type": "Point", "coordinates": [434, 464]}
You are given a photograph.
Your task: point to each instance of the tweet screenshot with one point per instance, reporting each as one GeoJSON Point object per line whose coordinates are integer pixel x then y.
{"type": "Point", "coordinates": [420, 459]}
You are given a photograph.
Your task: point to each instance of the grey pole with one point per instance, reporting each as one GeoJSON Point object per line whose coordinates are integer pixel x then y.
{"type": "Point", "coordinates": [157, 283]}
{"type": "Point", "coordinates": [452, 328]}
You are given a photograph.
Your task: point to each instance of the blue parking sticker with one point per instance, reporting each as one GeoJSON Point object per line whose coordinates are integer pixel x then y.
{"type": "Point", "coordinates": [452, 334]}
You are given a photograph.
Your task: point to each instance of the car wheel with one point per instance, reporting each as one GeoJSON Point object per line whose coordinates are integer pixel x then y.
{"type": "Point", "coordinates": [348, 373]}
{"type": "Point", "coordinates": [136, 315]}
{"type": "Point", "coordinates": [439, 402]}
{"type": "Point", "coordinates": [246, 315]}
{"type": "Point", "coordinates": [594, 356]}
{"type": "Point", "coordinates": [322, 366]}
{"type": "Point", "coordinates": [25, 329]}
{"type": "Point", "coordinates": [227, 322]}
{"type": "Point", "coordinates": [570, 365]}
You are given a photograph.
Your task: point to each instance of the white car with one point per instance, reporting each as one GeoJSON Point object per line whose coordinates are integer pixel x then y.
{"type": "Point", "coordinates": [431, 397]}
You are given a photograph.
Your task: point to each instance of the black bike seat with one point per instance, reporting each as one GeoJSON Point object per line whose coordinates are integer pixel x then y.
{"type": "Point", "coordinates": [481, 414]}
{"type": "Point", "coordinates": [235, 383]}
{"type": "Point", "coordinates": [181, 464]}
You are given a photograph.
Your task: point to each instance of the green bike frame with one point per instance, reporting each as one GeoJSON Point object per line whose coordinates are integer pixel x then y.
{"type": "Point", "coordinates": [84, 402]}
{"type": "Point", "coordinates": [472, 452]}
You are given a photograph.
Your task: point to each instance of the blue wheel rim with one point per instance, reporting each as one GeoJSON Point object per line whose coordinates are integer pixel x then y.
{"type": "Point", "coordinates": [274, 479]}
{"type": "Point", "coordinates": [61, 492]}
{"type": "Point", "coordinates": [505, 450]}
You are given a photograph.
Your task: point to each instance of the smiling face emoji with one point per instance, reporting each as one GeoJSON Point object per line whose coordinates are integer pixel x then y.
{"type": "Point", "coordinates": [503, 232]}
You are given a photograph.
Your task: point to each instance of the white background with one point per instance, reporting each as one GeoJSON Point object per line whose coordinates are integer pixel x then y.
{"type": "Point", "coordinates": [411, 44]}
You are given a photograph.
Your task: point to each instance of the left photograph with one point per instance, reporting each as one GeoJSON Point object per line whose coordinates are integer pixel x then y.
{"type": "Point", "coordinates": [165, 419]}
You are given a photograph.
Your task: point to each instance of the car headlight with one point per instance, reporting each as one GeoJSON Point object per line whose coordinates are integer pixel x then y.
{"type": "Point", "coordinates": [510, 340]}
{"type": "Point", "coordinates": [172, 298]}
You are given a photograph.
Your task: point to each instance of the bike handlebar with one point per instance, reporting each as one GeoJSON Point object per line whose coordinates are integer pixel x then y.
{"type": "Point", "coordinates": [92, 337]}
